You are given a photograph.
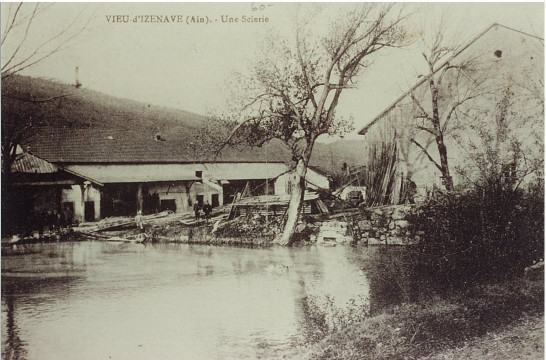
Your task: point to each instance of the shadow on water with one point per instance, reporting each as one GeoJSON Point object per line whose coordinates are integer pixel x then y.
{"type": "Point", "coordinates": [19, 293]}
{"type": "Point", "coordinates": [12, 345]}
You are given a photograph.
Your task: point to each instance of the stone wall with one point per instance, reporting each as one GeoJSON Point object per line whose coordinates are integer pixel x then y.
{"type": "Point", "coordinates": [385, 225]}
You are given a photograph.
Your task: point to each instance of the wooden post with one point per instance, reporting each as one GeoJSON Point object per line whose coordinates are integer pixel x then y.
{"type": "Point", "coordinates": [139, 197]}
{"type": "Point", "coordinates": [81, 213]}
{"type": "Point", "coordinates": [267, 204]}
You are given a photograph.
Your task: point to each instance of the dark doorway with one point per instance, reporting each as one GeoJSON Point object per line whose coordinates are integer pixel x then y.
{"type": "Point", "coordinates": [215, 200]}
{"type": "Point", "coordinates": [200, 199]}
{"type": "Point", "coordinates": [151, 204]}
{"type": "Point", "coordinates": [89, 211]}
{"type": "Point", "coordinates": [68, 212]}
{"type": "Point", "coordinates": [119, 200]}
{"type": "Point", "coordinates": [17, 209]}
{"type": "Point", "coordinates": [169, 204]}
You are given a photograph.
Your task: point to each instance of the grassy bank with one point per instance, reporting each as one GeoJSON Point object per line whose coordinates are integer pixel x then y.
{"type": "Point", "coordinates": [523, 340]}
{"type": "Point", "coordinates": [412, 331]}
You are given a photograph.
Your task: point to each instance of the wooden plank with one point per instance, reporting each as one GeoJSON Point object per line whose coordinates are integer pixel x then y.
{"type": "Point", "coordinates": [322, 207]}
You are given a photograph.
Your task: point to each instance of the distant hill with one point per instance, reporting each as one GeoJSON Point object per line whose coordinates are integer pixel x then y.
{"type": "Point", "coordinates": [330, 157]}
{"type": "Point", "coordinates": [82, 108]}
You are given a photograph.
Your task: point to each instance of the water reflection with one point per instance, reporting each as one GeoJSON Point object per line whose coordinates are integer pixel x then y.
{"type": "Point", "coordinates": [392, 280]}
{"type": "Point", "coordinates": [12, 345]}
{"type": "Point", "coordinates": [22, 295]}
{"type": "Point", "coordinates": [94, 300]}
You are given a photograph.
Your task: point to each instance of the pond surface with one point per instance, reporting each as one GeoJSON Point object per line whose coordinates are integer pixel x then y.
{"type": "Point", "coordinates": [97, 300]}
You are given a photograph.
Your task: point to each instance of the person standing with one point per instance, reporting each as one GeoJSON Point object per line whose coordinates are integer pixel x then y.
{"type": "Point", "coordinates": [207, 209]}
{"type": "Point", "coordinates": [69, 216]}
{"type": "Point", "coordinates": [197, 210]}
{"type": "Point", "coordinates": [139, 221]}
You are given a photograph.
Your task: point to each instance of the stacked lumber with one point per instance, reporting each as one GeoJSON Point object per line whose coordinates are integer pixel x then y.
{"type": "Point", "coordinates": [121, 222]}
{"type": "Point", "coordinates": [273, 205]}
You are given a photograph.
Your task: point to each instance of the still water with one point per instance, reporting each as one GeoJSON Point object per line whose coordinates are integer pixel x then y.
{"type": "Point", "coordinates": [97, 300]}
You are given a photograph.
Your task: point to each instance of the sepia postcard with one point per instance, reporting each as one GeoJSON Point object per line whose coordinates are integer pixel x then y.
{"type": "Point", "coordinates": [272, 180]}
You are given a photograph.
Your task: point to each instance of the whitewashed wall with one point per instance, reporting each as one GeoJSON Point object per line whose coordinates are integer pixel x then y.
{"type": "Point", "coordinates": [173, 191]}
{"type": "Point", "coordinates": [206, 189]}
{"type": "Point", "coordinates": [74, 194]}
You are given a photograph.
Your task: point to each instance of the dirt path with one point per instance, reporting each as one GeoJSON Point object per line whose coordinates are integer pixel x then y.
{"type": "Point", "coordinates": [521, 341]}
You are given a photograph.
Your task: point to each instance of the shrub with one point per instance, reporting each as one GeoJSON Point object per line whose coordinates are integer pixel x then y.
{"type": "Point", "coordinates": [323, 317]}
{"type": "Point", "coordinates": [490, 232]}
{"type": "Point", "coordinates": [413, 331]}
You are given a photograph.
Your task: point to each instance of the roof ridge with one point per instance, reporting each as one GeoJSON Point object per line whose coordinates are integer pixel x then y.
{"type": "Point", "coordinates": [519, 31]}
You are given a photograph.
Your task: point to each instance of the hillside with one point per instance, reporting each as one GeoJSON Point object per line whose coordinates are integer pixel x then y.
{"type": "Point", "coordinates": [81, 108]}
{"type": "Point", "coordinates": [87, 108]}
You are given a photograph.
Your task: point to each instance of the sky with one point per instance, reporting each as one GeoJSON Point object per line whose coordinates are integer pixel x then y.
{"type": "Point", "coordinates": [190, 66]}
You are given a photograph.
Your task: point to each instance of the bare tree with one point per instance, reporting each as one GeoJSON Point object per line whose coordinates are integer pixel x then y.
{"type": "Point", "coordinates": [21, 113]}
{"type": "Point", "coordinates": [294, 89]}
{"type": "Point", "coordinates": [450, 85]}
{"type": "Point", "coordinates": [19, 51]}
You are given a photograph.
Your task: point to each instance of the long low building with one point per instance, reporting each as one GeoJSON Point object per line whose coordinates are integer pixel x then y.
{"type": "Point", "coordinates": [93, 174]}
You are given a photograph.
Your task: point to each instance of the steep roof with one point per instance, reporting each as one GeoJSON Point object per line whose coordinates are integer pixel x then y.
{"type": "Point", "coordinates": [28, 163]}
{"type": "Point", "coordinates": [99, 145]}
{"type": "Point", "coordinates": [364, 129]}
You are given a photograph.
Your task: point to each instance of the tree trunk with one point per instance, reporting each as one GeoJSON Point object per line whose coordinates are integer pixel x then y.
{"type": "Point", "coordinates": [295, 205]}
{"type": "Point", "coordinates": [442, 149]}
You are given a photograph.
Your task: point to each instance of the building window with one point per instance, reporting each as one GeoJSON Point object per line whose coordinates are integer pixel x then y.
{"type": "Point", "coordinates": [168, 204]}
{"type": "Point", "coordinates": [199, 174]}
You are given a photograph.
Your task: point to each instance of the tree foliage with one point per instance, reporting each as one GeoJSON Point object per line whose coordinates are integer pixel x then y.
{"type": "Point", "coordinates": [487, 233]}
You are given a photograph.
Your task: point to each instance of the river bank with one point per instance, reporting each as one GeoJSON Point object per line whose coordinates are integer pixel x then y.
{"type": "Point", "coordinates": [457, 326]}
{"type": "Point", "coordinates": [523, 340]}
{"type": "Point", "coordinates": [375, 226]}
